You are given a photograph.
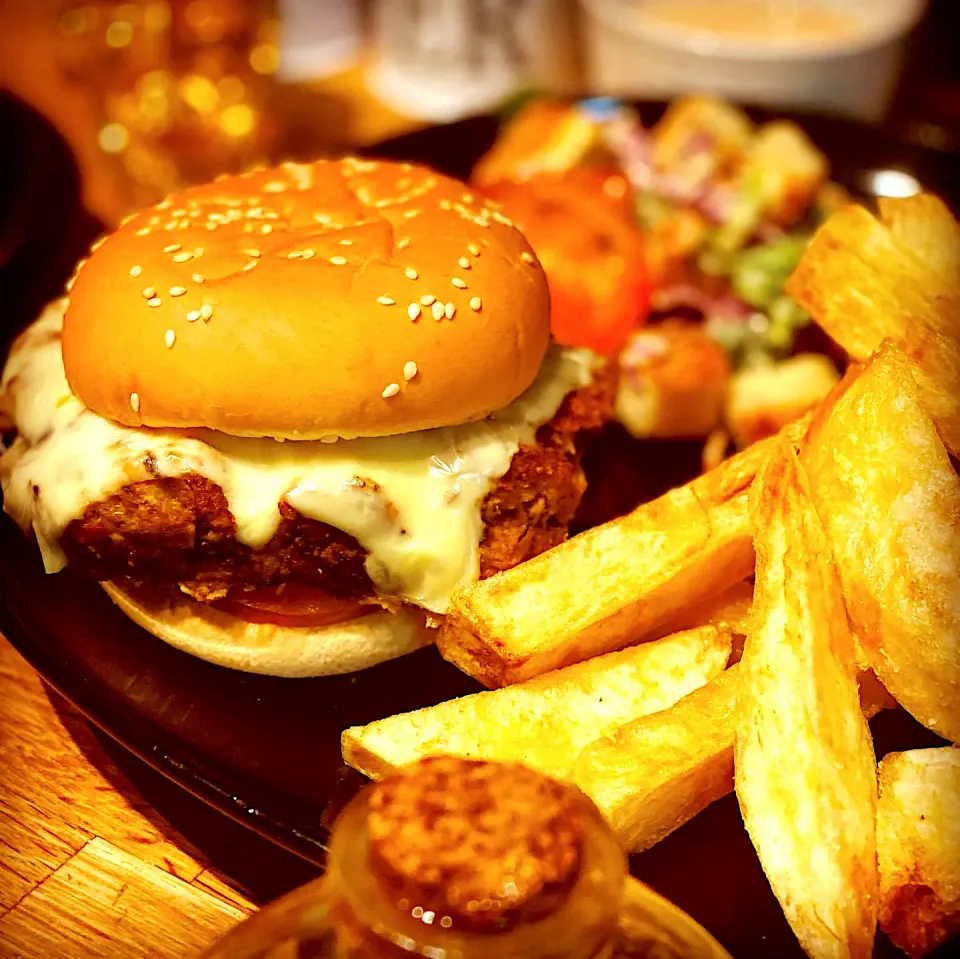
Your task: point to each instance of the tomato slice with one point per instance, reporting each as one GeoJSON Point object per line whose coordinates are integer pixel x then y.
{"type": "Point", "coordinates": [592, 253]}
{"type": "Point", "coordinates": [294, 605]}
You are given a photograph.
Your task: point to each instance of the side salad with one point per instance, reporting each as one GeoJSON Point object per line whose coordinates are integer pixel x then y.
{"type": "Point", "coordinates": [669, 247]}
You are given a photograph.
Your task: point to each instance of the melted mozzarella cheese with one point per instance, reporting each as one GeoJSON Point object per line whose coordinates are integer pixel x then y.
{"type": "Point", "coordinates": [412, 501]}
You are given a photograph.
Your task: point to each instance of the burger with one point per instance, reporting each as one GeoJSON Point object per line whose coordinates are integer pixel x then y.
{"type": "Point", "coordinates": [283, 417]}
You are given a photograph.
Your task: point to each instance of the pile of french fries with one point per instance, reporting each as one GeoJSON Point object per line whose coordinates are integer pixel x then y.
{"type": "Point", "coordinates": [738, 632]}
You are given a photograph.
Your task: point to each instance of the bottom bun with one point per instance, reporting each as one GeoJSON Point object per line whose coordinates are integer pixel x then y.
{"type": "Point", "coordinates": [291, 651]}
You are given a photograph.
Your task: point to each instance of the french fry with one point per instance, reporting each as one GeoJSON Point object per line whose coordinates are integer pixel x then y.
{"type": "Point", "coordinates": [918, 847]}
{"type": "Point", "coordinates": [890, 502]}
{"type": "Point", "coordinates": [805, 768]}
{"type": "Point", "coordinates": [644, 570]}
{"type": "Point", "coordinates": [866, 280]}
{"type": "Point", "coordinates": [652, 775]}
{"type": "Point", "coordinates": [600, 591]}
{"type": "Point", "coordinates": [730, 608]}
{"type": "Point", "coordinates": [545, 722]}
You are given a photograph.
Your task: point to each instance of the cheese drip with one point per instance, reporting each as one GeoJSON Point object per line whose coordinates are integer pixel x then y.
{"type": "Point", "coordinates": [412, 501]}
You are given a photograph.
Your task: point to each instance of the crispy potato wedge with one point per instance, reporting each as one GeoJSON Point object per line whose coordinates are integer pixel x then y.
{"type": "Point", "coordinates": [546, 721]}
{"type": "Point", "coordinates": [866, 280]}
{"type": "Point", "coordinates": [730, 608]}
{"type": "Point", "coordinates": [652, 775]}
{"type": "Point", "coordinates": [600, 591]}
{"type": "Point", "coordinates": [644, 571]}
{"type": "Point", "coordinates": [890, 501]}
{"type": "Point", "coordinates": [805, 768]}
{"type": "Point", "coordinates": [918, 847]}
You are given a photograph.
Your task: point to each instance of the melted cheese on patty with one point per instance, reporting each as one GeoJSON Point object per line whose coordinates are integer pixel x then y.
{"type": "Point", "coordinates": [412, 501]}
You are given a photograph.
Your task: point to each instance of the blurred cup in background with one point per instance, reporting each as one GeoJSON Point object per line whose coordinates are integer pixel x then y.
{"type": "Point", "coordinates": [842, 56]}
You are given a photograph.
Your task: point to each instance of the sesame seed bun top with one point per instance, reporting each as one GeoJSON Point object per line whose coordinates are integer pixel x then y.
{"type": "Point", "coordinates": [334, 299]}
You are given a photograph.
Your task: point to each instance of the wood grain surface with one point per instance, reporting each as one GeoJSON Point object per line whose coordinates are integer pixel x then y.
{"type": "Point", "coordinates": [87, 867]}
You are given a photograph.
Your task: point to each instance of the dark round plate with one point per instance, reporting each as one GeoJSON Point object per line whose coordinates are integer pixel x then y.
{"type": "Point", "coordinates": [266, 751]}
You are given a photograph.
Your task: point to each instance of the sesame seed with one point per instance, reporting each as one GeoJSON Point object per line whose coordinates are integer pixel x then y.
{"type": "Point", "coordinates": [391, 390]}
{"type": "Point", "coordinates": [308, 253]}
{"type": "Point", "coordinates": [154, 220]}
{"type": "Point", "coordinates": [154, 301]}
{"type": "Point", "coordinates": [198, 278]}
{"type": "Point", "coordinates": [143, 231]}
{"type": "Point", "coordinates": [338, 260]}
{"type": "Point", "coordinates": [164, 204]}
{"type": "Point", "coordinates": [409, 370]}
{"type": "Point", "coordinates": [149, 292]}
{"type": "Point", "coordinates": [193, 316]}
{"type": "Point", "coordinates": [413, 311]}
{"type": "Point", "coordinates": [254, 252]}
{"type": "Point", "coordinates": [177, 290]}
{"type": "Point", "coordinates": [198, 251]}
{"type": "Point", "coordinates": [427, 299]}
{"type": "Point", "coordinates": [386, 300]}
{"type": "Point", "coordinates": [500, 218]}
{"type": "Point", "coordinates": [449, 311]}
{"type": "Point", "coordinates": [184, 223]}
{"type": "Point", "coordinates": [180, 212]}
{"type": "Point", "coordinates": [437, 310]}
{"type": "Point", "coordinates": [211, 226]}
{"type": "Point", "coordinates": [294, 255]}
{"type": "Point", "coordinates": [459, 283]}
{"type": "Point", "coordinates": [446, 205]}
{"type": "Point", "coordinates": [206, 311]}
{"type": "Point", "coordinates": [135, 402]}
{"type": "Point", "coordinates": [323, 218]}
{"type": "Point", "coordinates": [68, 286]}
{"type": "Point", "coordinates": [169, 338]}
{"type": "Point", "coordinates": [266, 228]}
{"type": "Point", "coordinates": [526, 257]}
{"type": "Point", "coordinates": [467, 198]}
{"type": "Point", "coordinates": [247, 267]}
{"type": "Point", "coordinates": [475, 304]}
{"type": "Point", "coordinates": [474, 249]}
{"type": "Point", "coordinates": [411, 273]}
{"type": "Point", "coordinates": [275, 186]}
{"type": "Point", "coordinates": [410, 214]}
{"type": "Point", "coordinates": [464, 263]}
{"type": "Point", "coordinates": [135, 271]}
{"type": "Point", "coordinates": [346, 242]}
{"type": "Point", "coordinates": [403, 243]}
{"type": "Point", "coordinates": [97, 244]}
{"type": "Point", "coordinates": [172, 248]}
{"type": "Point", "coordinates": [480, 221]}
{"type": "Point", "coordinates": [172, 225]}
{"type": "Point", "coordinates": [182, 257]}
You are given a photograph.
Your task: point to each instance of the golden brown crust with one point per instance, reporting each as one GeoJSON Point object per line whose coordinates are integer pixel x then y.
{"type": "Point", "coordinates": [484, 846]}
{"type": "Point", "coordinates": [306, 276]}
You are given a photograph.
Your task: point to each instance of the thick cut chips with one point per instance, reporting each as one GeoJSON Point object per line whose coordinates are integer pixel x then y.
{"type": "Point", "coordinates": [545, 722]}
{"type": "Point", "coordinates": [889, 499]}
{"type": "Point", "coordinates": [918, 847]}
{"type": "Point", "coordinates": [652, 775]}
{"type": "Point", "coordinates": [866, 280]}
{"type": "Point", "coordinates": [805, 768]}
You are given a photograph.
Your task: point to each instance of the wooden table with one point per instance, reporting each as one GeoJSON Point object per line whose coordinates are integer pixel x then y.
{"type": "Point", "coordinates": [87, 868]}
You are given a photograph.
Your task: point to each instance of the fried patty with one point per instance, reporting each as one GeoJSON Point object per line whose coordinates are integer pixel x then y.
{"type": "Point", "coordinates": [181, 531]}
